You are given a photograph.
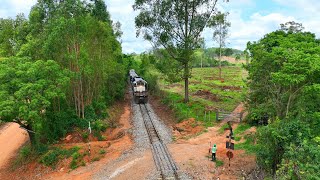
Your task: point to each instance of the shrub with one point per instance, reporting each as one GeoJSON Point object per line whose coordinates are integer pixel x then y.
{"type": "Point", "coordinates": [25, 151]}
{"type": "Point", "coordinates": [73, 164]}
{"type": "Point", "coordinates": [102, 151]}
{"type": "Point", "coordinates": [51, 158]}
{"type": "Point", "coordinates": [85, 136]}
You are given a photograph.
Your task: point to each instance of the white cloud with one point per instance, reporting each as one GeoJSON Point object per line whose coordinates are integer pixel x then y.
{"type": "Point", "coordinates": [122, 11]}
{"type": "Point", "coordinates": [242, 31]}
{"type": "Point", "coordinates": [307, 7]}
{"type": "Point", "coordinates": [13, 7]}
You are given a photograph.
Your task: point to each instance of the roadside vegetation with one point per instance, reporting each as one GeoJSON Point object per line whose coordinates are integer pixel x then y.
{"type": "Point", "coordinates": [61, 68]}
{"type": "Point", "coordinates": [284, 97]}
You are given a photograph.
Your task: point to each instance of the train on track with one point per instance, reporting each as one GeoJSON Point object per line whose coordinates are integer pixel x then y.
{"type": "Point", "coordinates": [139, 87]}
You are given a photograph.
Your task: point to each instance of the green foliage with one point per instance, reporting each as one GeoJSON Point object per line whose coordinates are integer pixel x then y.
{"type": "Point", "coordinates": [73, 164]}
{"type": "Point", "coordinates": [86, 74]}
{"type": "Point", "coordinates": [85, 136]}
{"type": "Point", "coordinates": [13, 34]}
{"type": "Point", "coordinates": [158, 22]}
{"type": "Point", "coordinates": [52, 157]}
{"type": "Point", "coordinates": [102, 151]}
{"type": "Point", "coordinates": [282, 65]}
{"type": "Point", "coordinates": [27, 92]}
{"type": "Point", "coordinates": [99, 126]}
{"type": "Point", "coordinates": [219, 163]}
{"type": "Point", "coordinates": [193, 109]}
{"type": "Point", "coordinates": [241, 128]}
{"type": "Point", "coordinates": [95, 159]}
{"type": "Point", "coordinates": [284, 92]}
{"type": "Point", "coordinates": [25, 151]}
{"type": "Point", "coordinates": [26, 155]}
{"type": "Point", "coordinates": [248, 145]}
{"type": "Point", "coordinates": [222, 128]}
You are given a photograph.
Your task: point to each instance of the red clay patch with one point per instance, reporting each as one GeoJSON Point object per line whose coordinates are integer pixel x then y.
{"type": "Point", "coordinates": [205, 94]}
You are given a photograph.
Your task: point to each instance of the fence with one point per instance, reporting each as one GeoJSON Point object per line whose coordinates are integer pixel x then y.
{"type": "Point", "coordinates": [221, 115]}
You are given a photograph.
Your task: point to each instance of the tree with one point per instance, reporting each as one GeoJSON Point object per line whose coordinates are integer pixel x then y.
{"type": "Point", "coordinates": [175, 26]}
{"type": "Point", "coordinates": [284, 90]}
{"type": "Point", "coordinates": [228, 52]}
{"type": "Point", "coordinates": [238, 57]}
{"type": "Point", "coordinates": [292, 27]}
{"type": "Point", "coordinates": [27, 90]}
{"type": "Point", "coordinates": [280, 68]}
{"type": "Point", "coordinates": [80, 37]}
{"type": "Point", "coordinates": [13, 34]}
{"type": "Point", "coordinates": [99, 11]}
{"type": "Point", "coordinates": [220, 25]}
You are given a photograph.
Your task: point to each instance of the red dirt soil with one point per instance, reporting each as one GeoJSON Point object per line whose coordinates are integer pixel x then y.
{"type": "Point", "coordinates": [192, 156]}
{"type": "Point", "coordinates": [205, 94]}
{"type": "Point", "coordinates": [187, 128]}
{"type": "Point", "coordinates": [11, 139]}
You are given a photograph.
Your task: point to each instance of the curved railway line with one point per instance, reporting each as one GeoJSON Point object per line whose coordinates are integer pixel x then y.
{"type": "Point", "coordinates": [161, 155]}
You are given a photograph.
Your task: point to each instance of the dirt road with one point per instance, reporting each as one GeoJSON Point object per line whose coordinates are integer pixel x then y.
{"type": "Point", "coordinates": [11, 139]}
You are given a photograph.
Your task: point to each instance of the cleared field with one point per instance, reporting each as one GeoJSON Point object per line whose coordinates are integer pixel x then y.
{"type": "Point", "coordinates": [207, 93]}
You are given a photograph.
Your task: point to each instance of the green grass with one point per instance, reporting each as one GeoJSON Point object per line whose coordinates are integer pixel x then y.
{"type": "Point", "coordinates": [219, 163]}
{"type": "Point", "coordinates": [241, 128]}
{"type": "Point", "coordinates": [221, 130]}
{"type": "Point", "coordinates": [205, 79]}
{"type": "Point", "coordinates": [248, 145]}
{"type": "Point", "coordinates": [102, 151]}
{"type": "Point", "coordinates": [52, 157]}
{"type": "Point", "coordinates": [95, 159]}
{"type": "Point", "coordinates": [25, 156]}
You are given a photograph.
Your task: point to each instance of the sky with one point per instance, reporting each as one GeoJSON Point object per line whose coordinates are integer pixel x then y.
{"type": "Point", "coordinates": [250, 19]}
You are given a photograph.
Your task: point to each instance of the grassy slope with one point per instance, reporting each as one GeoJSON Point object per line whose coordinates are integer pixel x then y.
{"type": "Point", "coordinates": [205, 79]}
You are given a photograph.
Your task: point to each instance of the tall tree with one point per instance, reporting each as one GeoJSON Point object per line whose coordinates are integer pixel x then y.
{"type": "Point", "coordinates": [27, 90]}
{"type": "Point", "coordinates": [99, 11]}
{"type": "Point", "coordinates": [284, 90]}
{"type": "Point", "coordinates": [220, 24]}
{"type": "Point", "coordinates": [80, 37]}
{"type": "Point", "coordinates": [292, 27]}
{"type": "Point", "coordinates": [13, 34]}
{"type": "Point", "coordinates": [175, 26]}
{"type": "Point", "coordinates": [282, 65]}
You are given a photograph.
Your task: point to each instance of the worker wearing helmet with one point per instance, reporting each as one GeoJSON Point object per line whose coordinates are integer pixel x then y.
{"type": "Point", "coordinates": [213, 151]}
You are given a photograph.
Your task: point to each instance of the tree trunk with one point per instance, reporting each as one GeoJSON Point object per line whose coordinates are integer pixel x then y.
{"type": "Point", "coordinates": [32, 135]}
{"type": "Point", "coordinates": [220, 61]}
{"type": "Point", "coordinates": [186, 83]}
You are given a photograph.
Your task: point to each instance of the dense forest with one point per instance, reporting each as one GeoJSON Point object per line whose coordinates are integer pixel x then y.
{"type": "Point", "coordinates": [60, 67]}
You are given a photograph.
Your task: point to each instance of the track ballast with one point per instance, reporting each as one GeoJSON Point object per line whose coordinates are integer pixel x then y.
{"type": "Point", "coordinates": [162, 158]}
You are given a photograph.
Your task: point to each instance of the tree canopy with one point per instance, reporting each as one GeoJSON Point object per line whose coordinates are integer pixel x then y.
{"type": "Point", "coordinates": [71, 36]}
{"type": "Point", "coordinates": [175, 26]}
{"type": "Point", "coordinates": [284, 81]}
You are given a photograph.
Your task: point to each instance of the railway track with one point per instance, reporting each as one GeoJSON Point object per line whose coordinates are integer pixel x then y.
{"type": "Point", "coordinates": [161, 156]}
